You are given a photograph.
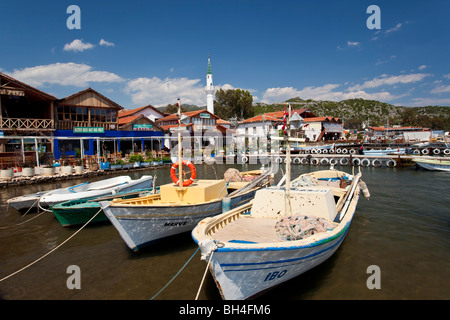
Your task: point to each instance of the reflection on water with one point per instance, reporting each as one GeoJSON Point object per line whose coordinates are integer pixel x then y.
{"type": "Point", "coordinates": [403, 229]}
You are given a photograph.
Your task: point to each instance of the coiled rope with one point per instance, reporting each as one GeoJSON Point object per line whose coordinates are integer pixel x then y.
{"type": "Point", "coordinates": [176, 275]}
{"type": "Point", "coordinates": [53, 250]}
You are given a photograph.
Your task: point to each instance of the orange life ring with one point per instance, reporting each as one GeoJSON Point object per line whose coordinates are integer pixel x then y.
{"type": "Point", "coordinates": [174, 177]}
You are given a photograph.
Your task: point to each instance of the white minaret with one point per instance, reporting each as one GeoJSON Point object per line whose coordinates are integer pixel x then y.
{"type": "Point", "coordinates": [209, 89]}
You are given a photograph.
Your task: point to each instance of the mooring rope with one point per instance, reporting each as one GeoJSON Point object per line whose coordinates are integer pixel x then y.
{"type": "Point", "coordinates": [176, 275]}
{"type": "Point", "coordinates": [204, 276]}
{"type": "Point", "coordinates": [23, 222]}
{"type": "Point", "coordinates": [51, 251]}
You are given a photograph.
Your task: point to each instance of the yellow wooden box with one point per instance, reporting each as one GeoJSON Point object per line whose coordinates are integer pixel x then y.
{"type": "Point", "coordinates": [198, 192]}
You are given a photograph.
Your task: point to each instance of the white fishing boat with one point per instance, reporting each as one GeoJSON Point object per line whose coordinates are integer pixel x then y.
{"type": "Point", "coordinates": [180, 205]}
{"type": "Point", "coordinates": [94, 189]}
{"type": "Point", "coordinates": [384, 152]}
{"type": "Point", "coordinates": [433, 164]}
{"type": "Point", "coordinates": [285, 231]}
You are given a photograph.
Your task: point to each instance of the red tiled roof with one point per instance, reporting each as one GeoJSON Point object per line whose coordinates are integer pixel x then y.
{"type": "Point", "coordinates": [174, 116]}
{"type": "Point", "coordinates": [128, 112]}
{"type": "Point", "coordinates": [259, 118]}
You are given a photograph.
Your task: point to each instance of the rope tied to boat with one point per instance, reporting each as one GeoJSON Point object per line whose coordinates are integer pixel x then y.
{"type": "Point", "coordinates": [176, 275]}
{"type": "Point", "coordinates": [53, 250]}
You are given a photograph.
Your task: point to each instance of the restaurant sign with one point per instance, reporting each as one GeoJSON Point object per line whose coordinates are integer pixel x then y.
{"type": "Point", "coordinates": [8, 92]}
{"type": "Point", "coordinates": [142, 127]}
{"type": "Point", "coordinates": [88, 130]}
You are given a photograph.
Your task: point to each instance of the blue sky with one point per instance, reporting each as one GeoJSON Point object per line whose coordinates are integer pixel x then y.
{"type": "Point", "coordinates": [153, 52]}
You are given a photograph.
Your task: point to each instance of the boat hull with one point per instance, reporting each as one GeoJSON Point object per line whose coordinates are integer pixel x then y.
{"type": "Point", "coordinates": [80, 214]}
{"type": "Point", "coordinates": [53, 198]}
{"type": "Point", "coordinates": [434, 165]}
{"type": "Point", "coordinates": [246, 273]}
{"type": "Point", "coordinates": [140, 226]}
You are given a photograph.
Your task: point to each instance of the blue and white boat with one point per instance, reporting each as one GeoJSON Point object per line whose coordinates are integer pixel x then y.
{"type": "Point", "coordinates": [283, 232]}
{"type": "Point", "coordinates": [278, 235]}
{"type": "Point", "coordinates": [433, 164]}
{"type": "Point", "coordinates": [384, 152]}
{"type": "Point", "coordinates": [94, 189]}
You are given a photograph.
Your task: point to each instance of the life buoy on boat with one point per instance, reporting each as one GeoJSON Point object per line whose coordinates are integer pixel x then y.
{"type": "Point", "coordinates": [244, 159]}
{"type": "Point", "coordinates": [174, 177]}
{"type": "Point", "coordinates": [447, 151]}
{"type": "Point", "coordinates": [436, 151]}
{"type": "Point", "coordinates": [296, 161]}
{"type": "Point", "coordinates": [425, 151]}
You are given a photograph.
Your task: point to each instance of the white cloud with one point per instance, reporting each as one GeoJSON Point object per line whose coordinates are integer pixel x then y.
{"type": "Point", "coordinates": [78, 45]}
{"type": "Point", "coordinates": [396, 28]}
{"type": "Point", "coordinates": [441, 89]}
{"type": "Point", "coordinates": [160, 92]}
{"type": "Point", "coordinates": [66, 74]}
{"type": "Point", "coordinates": [350, 44]}
{"type": "Point", "coordinates": [353, 43]}
{"type": "Point", "coordinates": [418, 102]}
{"type": "Point", "coordinates": [325, 92]}
{"type": "Point", "coordinates": [422, 67]}
{"type": "Point", "coordinates": [447, 76]}
{"type": "Point", "coordinates": [106, 43]}
{"type": "Point", "coordinates": [392, 80]}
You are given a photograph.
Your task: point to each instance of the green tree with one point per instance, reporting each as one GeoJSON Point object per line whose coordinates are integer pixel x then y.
{"type": "Point", "coordinates": [173, 108]}
{"type": "Point", "coordinates": [233, 103]}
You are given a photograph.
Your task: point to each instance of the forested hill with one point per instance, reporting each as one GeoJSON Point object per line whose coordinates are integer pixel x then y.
{"type": "Point", "coordinates": [355, 112]}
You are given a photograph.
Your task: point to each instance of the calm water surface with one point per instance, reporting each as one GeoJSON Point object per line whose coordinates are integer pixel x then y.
{"type": "Point", "coordinates": [404, 229]}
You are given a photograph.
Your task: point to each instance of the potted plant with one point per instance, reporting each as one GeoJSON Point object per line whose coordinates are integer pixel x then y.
{"type": "Point", "coordinates": [136, 160]}
{"type": "Point", "coordinates": [28, 169]}
{"type": "Point", "coordinates": [117, 165]}
{"type": "Point", "coordinates": [7, 173]}
{"type": "Point", "coordinates": [65, 167]}
{"type": "Point", "coordinates": [47, 168]}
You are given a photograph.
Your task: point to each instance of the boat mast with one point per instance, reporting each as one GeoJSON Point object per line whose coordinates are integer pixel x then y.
{"type": "Point", "coordinates": [180, 160]}
{"type": "Point", "coordinates": [287, 135]}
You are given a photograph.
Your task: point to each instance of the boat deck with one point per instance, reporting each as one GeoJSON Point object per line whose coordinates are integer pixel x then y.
{"type": "Point", "coordinates": [248, 229]}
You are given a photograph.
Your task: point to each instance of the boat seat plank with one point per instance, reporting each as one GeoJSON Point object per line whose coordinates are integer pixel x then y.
{"type": "Point", "coordinates": [248, 229]}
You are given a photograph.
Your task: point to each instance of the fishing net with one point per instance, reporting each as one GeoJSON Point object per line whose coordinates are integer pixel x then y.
{"type": "Point", "coordinates": [299, 227]}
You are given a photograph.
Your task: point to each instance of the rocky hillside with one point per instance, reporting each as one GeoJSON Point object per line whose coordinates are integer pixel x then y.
{"type": "Point", "coordinates": [359, 112]}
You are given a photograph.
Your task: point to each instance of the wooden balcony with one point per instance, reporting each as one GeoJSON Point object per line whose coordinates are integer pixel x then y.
{"type": "Point", "coordinates": [26, 124]}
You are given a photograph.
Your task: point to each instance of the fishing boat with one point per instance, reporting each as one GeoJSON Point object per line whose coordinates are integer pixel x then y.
{"type": "Point", "coordinates": [180, 205]}
{"type": "Point", "coordinates": [283, 232]}
{"type": "Point", "coordinates": [94, 189]}
{"type": "Point", "coordinates": [76, 212]}
{"type": "Point", "coordinates": [433, 164]}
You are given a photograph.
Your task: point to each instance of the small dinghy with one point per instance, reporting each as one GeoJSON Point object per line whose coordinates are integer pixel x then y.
{"type": "Point", "coordinates": [80, 191]}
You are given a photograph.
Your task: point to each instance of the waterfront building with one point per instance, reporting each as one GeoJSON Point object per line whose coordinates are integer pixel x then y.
{"type": "Point", "coordinates": [26, 120]}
